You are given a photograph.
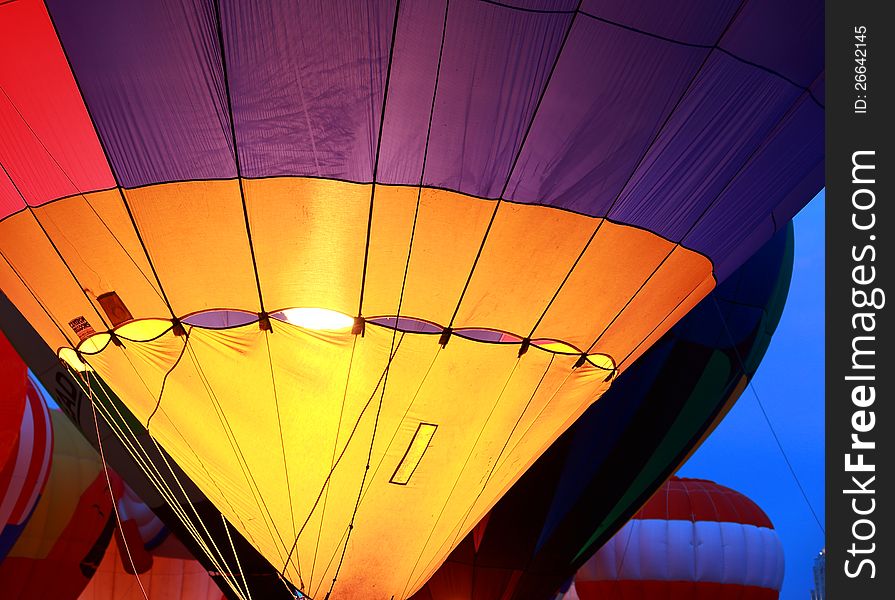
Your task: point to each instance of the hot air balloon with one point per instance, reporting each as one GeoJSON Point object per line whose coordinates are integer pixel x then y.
{"type": "Point", "coordinates": [26, 445]}
{"type": "Point", "coordinates": [166, 579]}
{"type": "Point", "coordinates": [694, 539]}
{"type": "Point", "coordinates": [146, 563]}
{"type": "Point", "coordinates": [64, 540]}
{"type": "Point", "coordinates": [592, 479]}
{"type": "Point", "coordinates": [356, 265]}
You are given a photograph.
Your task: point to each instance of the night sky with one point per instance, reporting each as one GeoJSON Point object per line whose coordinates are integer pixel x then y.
{"type": "Point", "coordinates": [742, 453]}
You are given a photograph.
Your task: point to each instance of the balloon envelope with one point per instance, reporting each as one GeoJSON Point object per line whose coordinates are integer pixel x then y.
{"type": "Point", "coordinates": [693, 539]}
{"type": "Point", "coordinates": [135, 567]}
{"type": "Point", "coordinates": [64, 540]}
{"type": "Point", "coordinates": [200, 196]}
{"type": "Point", "coordinates": [598, 473]}
{"type": "Point", "coordinates": [26, 445]}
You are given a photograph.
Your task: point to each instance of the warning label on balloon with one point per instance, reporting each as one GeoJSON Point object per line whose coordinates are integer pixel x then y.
{"type": "Point", "coordinates": [81, 327]}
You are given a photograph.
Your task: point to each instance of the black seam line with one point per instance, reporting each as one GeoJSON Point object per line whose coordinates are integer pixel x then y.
{"type": "Point", "coordinates": [419, 190]}
{"type": "Point", "coordinates": [806, 89]}
{"type": "Point", "coordinates": [245, 211]}
{"type": "Point", "coordinates": [458, 332]}
{"type": "Point", "coordinates": [332, 463]}
{"type": "Point", "coordinates": [252, 484]}
{"type": "Point", "coordinates": [769, 136]}
{"type": "Point", "coordinates": [53, 245]}
{"type": "Point", "coordinates": [662, 322]}
{"type": "Point", "coordinates": [210, 552]}
{"type": "Point", "coordinates": [341, 454]}
{"type": "Point", "coordinates": [657, 36]}
{"type": "Point", "coordinates": [537, 11]}
{"type": "Point", "coordinates": [79, 193]}
{"type": "Point", "coordinates": [156, 479]}
{"type": "Point", "coordinates": [360, 491]}
{"type": "Point", "coordinates": [102, 145]}
{"type": "Point", "coordinates": [402, 185]}
{"type": "Point", "coordinates": [34, 296]}
{"type": "Point", "coordinates": [165, 378]}
{"type": "Point", "coordinates": [512, 168]}
{"type": "Point", "coordinates": [631, 172]}
{"type": "Point", "coordinates": [716, 46]}
{"type": "Point", "coordinates": [388, 75]}
{"type": "Point", "coordinates": [768, 420]}
{"type": "Point", "coordinates": [503, 449]}
{"type": "Point", "coordinates": [276, 400]}
{"type": "Point", "coordinates": [8, 2]}
{"type": "Point", "coordinates": [460, 474]}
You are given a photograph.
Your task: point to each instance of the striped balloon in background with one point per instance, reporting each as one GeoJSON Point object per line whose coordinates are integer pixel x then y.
{"type": "Point", "coordinates": [64, 540]}
{"type": "Point", "coordinates": [693, 540]}
{"type": "Point", "coordinates": [146, 563]}
{"type": "Point", "coordinates": [26, 445]}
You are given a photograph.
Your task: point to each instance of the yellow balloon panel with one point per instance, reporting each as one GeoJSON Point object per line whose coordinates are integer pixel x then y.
{"type": "Point", "coordinates": [286, 430]}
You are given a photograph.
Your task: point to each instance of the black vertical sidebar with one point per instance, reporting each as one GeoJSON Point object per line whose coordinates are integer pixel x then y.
{"type": "Point", "coordinates": [860, 269]}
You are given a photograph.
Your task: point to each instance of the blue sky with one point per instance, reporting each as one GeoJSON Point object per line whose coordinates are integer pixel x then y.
{"type": "Point", "coordinates": [741, 452]}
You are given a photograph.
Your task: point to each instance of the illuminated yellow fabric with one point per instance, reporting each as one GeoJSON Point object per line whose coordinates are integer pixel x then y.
{"type": "Point", "coordinates": [474, 392]}
{"type": "Point", "coordinates": [276, 427]}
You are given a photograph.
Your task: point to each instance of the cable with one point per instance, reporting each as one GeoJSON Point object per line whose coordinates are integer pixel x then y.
{"type": "Point", "coordinates": [102, 456]}
{"type": "Point", "coordinates": [767, 420]}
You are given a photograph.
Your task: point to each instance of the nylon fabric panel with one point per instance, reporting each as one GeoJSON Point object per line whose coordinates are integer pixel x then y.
{"type": "Point", "coordinates": [449, 231]}
{"type": "Point", "coordinates": [30, 253]}
{"type": "Point", "coordinates": [166, 579]}
{"type": "Point", "coordinates": [196, 237]}
{"type": "Point", "coordinates": [773, 179]}
{"type": "Point", "coordinates": [411, 88]}
{"type": "Point", "coordinates": [307, 82]}
{"type": "Point", "coordinates": [19, 294]}
{"type": "Point", "coordinates": [152, 79]}
{"type": "Point", "coordinates": [587, 136]}
{"type": "Point", "coordinates": [391, 231]}
{"type": "Point", "coordinates": [74, 469]}
{"type": "Point", "coordinates": [680, 311]}
{"type": "Point", "coordinates": [549, 399]}
{"type": "Point", "coordinates": [670, 590]}
{"type": "Point", "coordinates": [594, 296]}
{"type": "Point", "coordinates": [703, 551]}
{"type": "Point", "coordinates": [97, 241]}
{"type": "Point", "coordinates": [309, 237]}
{"type": "Point", "coordinates": [495, 64]}
{"type": "Point", "coordinates": [690, 21]}
{"type": "Point", "coordinates": [528, 253]}
{"type": "Point", "coordinates": [49, 149]}
{"type": "Point", "coordinates": [790, 55]}
{"type": "Point", "coordinates": [712, 134]}
{"type": "Point", "coordinates": [473, 391]}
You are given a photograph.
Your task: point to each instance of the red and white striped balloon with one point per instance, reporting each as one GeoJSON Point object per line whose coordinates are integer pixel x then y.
{"type": "Point", "coordinates": [27, 445]}
{"type": "Point", "coordinates": [694, 540]}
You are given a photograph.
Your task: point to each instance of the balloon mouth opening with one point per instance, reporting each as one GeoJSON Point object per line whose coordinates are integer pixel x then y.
{"type": "Point", "coordinates": [316, 319]}
{"type": "Point", "coordinates": [313, 319]}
